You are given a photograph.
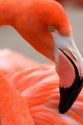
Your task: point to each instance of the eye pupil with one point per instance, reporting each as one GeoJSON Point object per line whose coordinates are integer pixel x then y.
{"type": "Point", "coordinates": [52, 28]}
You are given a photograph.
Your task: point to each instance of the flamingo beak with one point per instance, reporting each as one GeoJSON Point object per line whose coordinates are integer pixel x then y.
{"type": "Point", "coordinates": [69, 95]}
{"type": "Point", "coordinates": [67, 47]}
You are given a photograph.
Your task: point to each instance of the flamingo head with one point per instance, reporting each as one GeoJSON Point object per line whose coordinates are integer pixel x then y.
{"type": "Point", "coordinates": [48, 29]}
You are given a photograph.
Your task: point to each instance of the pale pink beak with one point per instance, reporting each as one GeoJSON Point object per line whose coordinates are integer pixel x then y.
{"type": "Point", "coordinates": [73, 65]}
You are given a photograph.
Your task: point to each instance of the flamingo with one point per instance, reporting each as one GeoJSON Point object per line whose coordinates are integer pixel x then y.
{"type": "Point", "coordinates": [46, 26]}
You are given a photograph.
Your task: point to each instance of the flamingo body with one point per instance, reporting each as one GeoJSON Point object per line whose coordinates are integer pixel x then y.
{"type": "Point", "coordinates": [31, 96]}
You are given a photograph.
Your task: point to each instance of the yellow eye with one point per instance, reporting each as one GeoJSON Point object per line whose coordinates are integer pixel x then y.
{"type": "Point", "coordinates": [52, 28]}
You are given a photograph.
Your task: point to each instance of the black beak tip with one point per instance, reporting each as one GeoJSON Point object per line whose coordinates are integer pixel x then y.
{"type": "Point", "coordinates": [63, 101]}
{"type": "Point", "coordinates": [68, 96]}
{"type": "Point", "coordinates": [62, 109]}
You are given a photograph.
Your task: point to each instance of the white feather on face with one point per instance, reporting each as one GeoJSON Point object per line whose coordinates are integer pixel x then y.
{"type": "Point", "coordinates": [67, 42]}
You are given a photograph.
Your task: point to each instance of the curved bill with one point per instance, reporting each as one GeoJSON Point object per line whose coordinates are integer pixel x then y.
{"type": "Point", "coordinates": [69, 68]}
{"type": "Point", "coordinates": [69, 95]}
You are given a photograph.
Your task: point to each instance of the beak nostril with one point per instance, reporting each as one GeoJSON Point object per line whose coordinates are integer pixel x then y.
{"type": "Point", "coordinates": [70, 54]}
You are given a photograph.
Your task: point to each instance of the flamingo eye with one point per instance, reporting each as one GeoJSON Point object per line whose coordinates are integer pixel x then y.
{"type": "Point", "coordinates": [52, 29]}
